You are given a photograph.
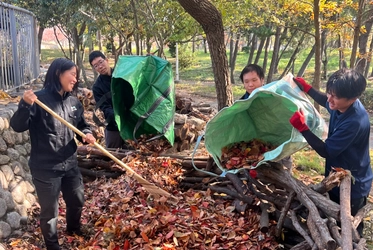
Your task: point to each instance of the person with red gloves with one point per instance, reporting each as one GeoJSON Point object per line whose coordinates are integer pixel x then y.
{"type": "Point", "coordinates": [347, 144]}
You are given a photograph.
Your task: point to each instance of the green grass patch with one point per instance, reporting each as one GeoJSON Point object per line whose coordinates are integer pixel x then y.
{"type": "Point", "coordinates": [309, 162]}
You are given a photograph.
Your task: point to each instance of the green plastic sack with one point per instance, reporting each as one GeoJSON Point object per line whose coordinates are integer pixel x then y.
{"type": "Point", "coordinates": [264, 115]}
{"type": "Point", "coordinates": [143, 95]}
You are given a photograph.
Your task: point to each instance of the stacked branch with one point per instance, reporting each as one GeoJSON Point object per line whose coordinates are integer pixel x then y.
{"type": "Point", "coordinates": [321, 223]}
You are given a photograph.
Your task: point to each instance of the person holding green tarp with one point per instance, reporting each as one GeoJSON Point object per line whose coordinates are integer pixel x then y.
{"type": "Point", "coordinates": [252, 77]}
{"type": "Point", "coordinates": [347, 144]}
{"type": "Point", "coordinates": [102, 94]}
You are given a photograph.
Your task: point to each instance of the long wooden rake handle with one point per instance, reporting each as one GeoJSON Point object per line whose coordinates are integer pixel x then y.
{"type": "Point", "coordinates": [151, 188]}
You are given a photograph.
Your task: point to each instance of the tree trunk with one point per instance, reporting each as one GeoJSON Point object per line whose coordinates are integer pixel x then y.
{"type": "Point", "coordinates": [137, 38]}
{"type": "Point", "coordinates": [357, 32]}
{"type": "Point", "coordinates": [369, 59]}
{"type": "Point", "coordinates": [363, 41]}
{"type": "Point", "coordinates": [252, 48]}
{"type": "Point", "coordinates": [342, 59]}
{"type": "Point", "coordinates": [324, 54]}
{"type": "Point", "coordinates": [317, 25]}
{"type": "Point", "coordinates": [79, 61]}
{"type": "Point", "coordinates": [265, 58]}
{"type": "Point", "coordinates": [259, 51]}
{"type": "Point", "coordinates": [233, 56]}
{"type": "Point", "coordinates": [99, 40]}
{"type": "Point", "coordinates": [40, 37]}
{"type": "Point", "coordinates": [276, 49]}
{"type": "Point", "coordinates": [306, 62]}
{"type": "Point", "coordinates": [293, 56]}
{"type": "Point", "coordinates": [205, 13]}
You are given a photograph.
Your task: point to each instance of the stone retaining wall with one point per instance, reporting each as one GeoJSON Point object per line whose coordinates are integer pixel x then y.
{"type": "Point", "coordinates": [17, 192]}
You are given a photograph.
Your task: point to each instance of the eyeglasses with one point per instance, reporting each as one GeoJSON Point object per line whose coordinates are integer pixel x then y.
{"type": "Point", "coordinates": [98, 64]}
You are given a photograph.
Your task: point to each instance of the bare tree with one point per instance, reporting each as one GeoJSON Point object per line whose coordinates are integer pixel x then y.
{"type": "Point", "coordinates": [206, 14]}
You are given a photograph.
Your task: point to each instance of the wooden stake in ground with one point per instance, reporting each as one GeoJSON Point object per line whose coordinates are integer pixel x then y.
{"type": "Point", "coordinates": [149, 187]}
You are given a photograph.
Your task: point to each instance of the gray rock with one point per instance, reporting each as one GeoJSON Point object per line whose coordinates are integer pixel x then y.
{"type": "Point", "coordinates": [21, 150]}
{"type": "Point", "coordinates": [27, 147]}
{"type": "Point", "coordinates": [4, 159]}
{"type": "Point", "coordinates": [6, 123]}
{"type": "Point", "coordinates": [29, 186]}
{"type": "Point", "coordinates": [16, 234]}
{"type": "Point", "coordinates": [3, 207]}
{"type": "Point", "coordinates": [18, 194]}
{"type": "Point", "coordinates": [5, 230]}
{"type": "Point", "coordinates": [8, 138]}
{"type": "Point", "coordinates": [18, 170]}
{"type": "Point", "coordinates": [18, 138]}
{"type": "Point", "coordinates": [25, 136]}
{"type": "Point", "coordinates": [8, 172]}
{"type": "Point", "coordinates": [3, 182]}
{"type": "Point", "coordinates": [13, 219]}
{"type": "Point", "coordinates": [2, 124]}
{"type": "Point", "coordinates": [3, 145]}
{"type": "Point", "coordinates": [24, 163]}
{"type": "Point", "coordinates": [21, 209]}
{"type": "Point", "coordinates": [13, 154]}
{"type": "Point", "coordinates": [28, 177]}
{"type": "Point", "coordinates": [7, 196]}
{"type": "Point", "coordinates": [31, 198]}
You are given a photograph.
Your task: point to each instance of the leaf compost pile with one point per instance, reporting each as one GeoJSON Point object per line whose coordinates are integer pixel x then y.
{"type": "Point", "coordinates": [244, 154]}
{"type": "Point", "coordinates": [120, 214]}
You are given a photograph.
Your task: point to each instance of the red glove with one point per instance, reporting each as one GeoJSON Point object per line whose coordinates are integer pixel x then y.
{"type": "Point", "coordinates": [298, 121]}
{"type": "Point", "coordinates": [302, 84]}
{"type": "Point", "coordinates": [253, 173]}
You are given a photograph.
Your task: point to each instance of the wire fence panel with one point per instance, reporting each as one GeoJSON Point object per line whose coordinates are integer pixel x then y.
{"type": "Point", "coordinates": [19, 53]}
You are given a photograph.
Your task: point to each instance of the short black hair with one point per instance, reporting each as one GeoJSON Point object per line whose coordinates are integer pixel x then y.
{"type": "Point", "coordinates": [346, 83]}
{"type": "Point", "coordinates": [252, 68]}
{"type": "Point", "coordinates": [94, 54]}
{"type": "Point", "coordinates": [57, 67]}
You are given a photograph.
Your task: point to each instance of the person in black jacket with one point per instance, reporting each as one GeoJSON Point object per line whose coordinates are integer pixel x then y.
{"type": "Point", "coordinates": [53, 158]}
{"type": "Point", "coordinates": [102, 94]}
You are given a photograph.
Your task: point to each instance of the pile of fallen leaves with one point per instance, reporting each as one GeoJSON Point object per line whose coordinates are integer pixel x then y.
{"type": "Point", "coordinates": [244, 154]}
{"type": "Point", "coordinates": [120, 214]}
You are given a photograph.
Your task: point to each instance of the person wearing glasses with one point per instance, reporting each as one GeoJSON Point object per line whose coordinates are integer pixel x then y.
{"type": "Point", "coordinates": [102, 94]}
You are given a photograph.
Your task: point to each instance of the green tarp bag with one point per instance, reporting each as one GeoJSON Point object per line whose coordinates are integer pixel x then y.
{"type": "Point", "coordinates": [264, 115]}
{"type": "Point", "coordinates": [143, 95]}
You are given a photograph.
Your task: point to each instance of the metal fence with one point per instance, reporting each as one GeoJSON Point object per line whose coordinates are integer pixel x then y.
{"type": "Point", "coordinates": [19, 55]}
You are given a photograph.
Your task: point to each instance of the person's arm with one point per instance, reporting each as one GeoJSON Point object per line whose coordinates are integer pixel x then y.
{"type": "Point", "coordinates": [20, 121]}
{"type": "Point", "coordinates": [106, 107]}
{"type": "Point", "coordinates": [316, 143]}
{"type": "Point", "coordinates": [299, 122]}
{"type": "Point", "coordinates": [318, 96]}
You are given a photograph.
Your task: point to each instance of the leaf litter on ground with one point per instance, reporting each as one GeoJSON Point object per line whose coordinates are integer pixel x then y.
{"type": "Point", "coordinates": [120, 214]}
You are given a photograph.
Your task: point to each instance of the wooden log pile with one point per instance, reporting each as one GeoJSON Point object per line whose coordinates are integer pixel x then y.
{"type": "Point", "coordinates": [85, 96]}
{"type": "Point", "coordinates": [190, 122]}
{"type": "Point", "coordinates": [302, 213]}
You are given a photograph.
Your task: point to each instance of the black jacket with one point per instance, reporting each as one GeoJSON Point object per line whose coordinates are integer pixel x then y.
{"type": "Point", "coordinates": [52, 143]}
{"type": "Point", "coordinates": [101, 87]}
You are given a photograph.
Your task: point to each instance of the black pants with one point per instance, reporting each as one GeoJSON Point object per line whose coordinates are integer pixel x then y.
{"type": "Point", "coordinates": [356, 204]}
{"type": "Point", "coordinates": [113, 139]}
{"type": "Point", "coordinates": [48, 185]}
